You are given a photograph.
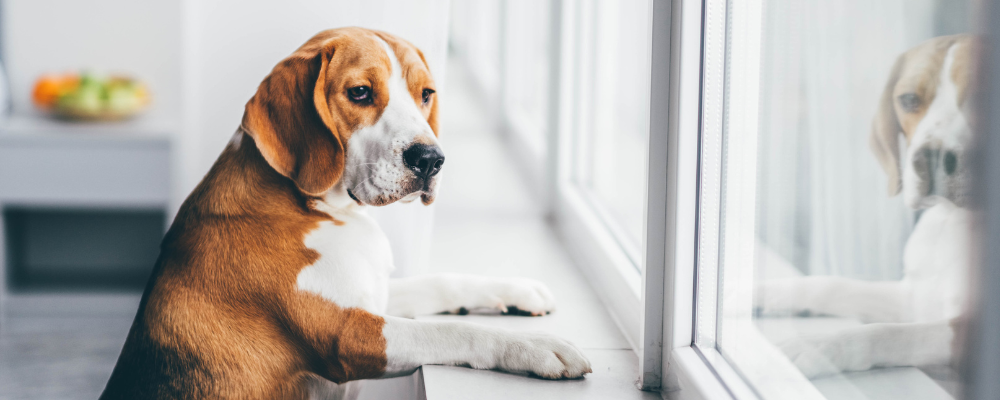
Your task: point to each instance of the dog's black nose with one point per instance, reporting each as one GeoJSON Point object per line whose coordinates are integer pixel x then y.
{"type": "Point", "coordinates": [950, 162]}
{"type": "Point", "coordinates": [424, 160]}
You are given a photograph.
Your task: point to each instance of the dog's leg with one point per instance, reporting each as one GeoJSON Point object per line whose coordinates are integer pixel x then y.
{"type": "Point", "coordinates": [347, 344]}
{"type": "Point", "coordinates": [431, 294]}
{"type": "Point", "coordinates": [865, 300]}
{"type": "Point", "coordinates": [873, 345]}
{"type": "Point", "coordinates": [410, 344]}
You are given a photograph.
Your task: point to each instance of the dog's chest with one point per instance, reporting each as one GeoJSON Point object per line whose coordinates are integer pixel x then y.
{"type": "Point", "coordinates": [354, 262]}
{"type": "Point", "coordinates": [937, 262]}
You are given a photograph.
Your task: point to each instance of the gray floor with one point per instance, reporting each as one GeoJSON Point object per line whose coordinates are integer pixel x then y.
{"type": "Point", "coordinates": [61, 346]}
{"type": "Point", "coordinates": [59, 358]}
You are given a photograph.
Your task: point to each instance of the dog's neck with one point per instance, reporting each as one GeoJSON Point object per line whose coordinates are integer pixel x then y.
{"type": "Point", "coordinates": [337, 200]}
{"type": "Point", "coordinates": [242, 183]}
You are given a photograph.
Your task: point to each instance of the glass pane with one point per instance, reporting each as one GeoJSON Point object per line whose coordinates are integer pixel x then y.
{"type": "Point", "coordinates": [611, 116]}
{"type": "Point", "coordinates": [844, 233]}
{"type": "Point", "coordinates": [527, 50]}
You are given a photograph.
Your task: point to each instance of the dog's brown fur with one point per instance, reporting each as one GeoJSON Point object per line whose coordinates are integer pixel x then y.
{"type": "Point", "coordinates": [221, 316]}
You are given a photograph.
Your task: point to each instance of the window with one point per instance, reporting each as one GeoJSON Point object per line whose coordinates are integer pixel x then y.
{"type": "Point", "coordinates": [741, 233]}
{"type": "Point", "coordinates": [527, 50]}
{"type": "Point", "coordinates": [811, 280]}
{"type": "Point", "coordinates": [612, 114]}
{"type": "Point", "coordinates": [571, 83]}
{"type": "Point", "coordinates": [601, 132]}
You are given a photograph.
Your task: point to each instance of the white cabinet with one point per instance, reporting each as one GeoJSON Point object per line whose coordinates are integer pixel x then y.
{"type": "Point", "coordinates": [102, 167]}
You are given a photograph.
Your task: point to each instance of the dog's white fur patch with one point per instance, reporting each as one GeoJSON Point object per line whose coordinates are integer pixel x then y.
{"type": "Point", "coordinates": [873, 345]}
{"type": "Point", "coordinates": [945, 128]}
{"type": "Point", "coordinates": [937, 260]}
{"type": "Point", "coordinates": [410, 344]}
{"type": "Point", "coordinates": [429, 294]}
{"type": "Point", "coordinates": [355, 257]}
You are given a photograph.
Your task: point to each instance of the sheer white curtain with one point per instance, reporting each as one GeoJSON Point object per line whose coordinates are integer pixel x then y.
{"type": "Point", "coordinates": [822, 202]}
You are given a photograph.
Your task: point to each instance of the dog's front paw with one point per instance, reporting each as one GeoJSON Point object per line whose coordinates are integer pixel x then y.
{"type": "Point", "coordinates": [545, 356]}
{"type": "Point", "coordinates": [778, 297]}
{"type": "Point", "coordinates": [827, 355]}
{"type": "Point", "coordinates": [522, 296]}
{"type": "Point", "coordinates": [516, 296]}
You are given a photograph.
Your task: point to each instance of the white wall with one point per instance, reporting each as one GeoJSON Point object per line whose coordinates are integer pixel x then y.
{"type": "Point", "coordinates": [231, 45]}
{"type": "Point", "coordinates": [139, 38]}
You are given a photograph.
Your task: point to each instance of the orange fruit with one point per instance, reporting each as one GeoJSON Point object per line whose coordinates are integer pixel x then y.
{"type": "Point", "coordinates": [48, 88]}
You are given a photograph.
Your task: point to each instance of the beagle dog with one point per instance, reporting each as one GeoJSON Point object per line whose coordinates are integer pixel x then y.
{"type": "Point", "coordinates": [272, 276]}
{"type": "Point", "coordinates": [925, 109]}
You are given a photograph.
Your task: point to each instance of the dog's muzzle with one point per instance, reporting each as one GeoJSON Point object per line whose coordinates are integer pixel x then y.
{"type": "Point", "coordinates": [940, 171]}
{"type": "Point", "coordinates": [424, 160]}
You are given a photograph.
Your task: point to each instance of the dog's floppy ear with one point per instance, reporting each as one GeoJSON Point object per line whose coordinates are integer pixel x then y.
{"type": "Point", "coordinates": [289, 119]}
{"type": "Point", "coordinates": [432, 118]}
{"type": "Point", "coordinates": [884, 139]}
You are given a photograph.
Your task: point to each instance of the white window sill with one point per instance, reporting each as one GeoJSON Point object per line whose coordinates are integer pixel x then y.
{"type": "Point", "coordinates": [613, 378]}
{"type": "Point", "coordinates": [580, 316]}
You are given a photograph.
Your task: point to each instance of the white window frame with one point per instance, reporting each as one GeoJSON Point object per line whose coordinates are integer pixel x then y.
{"type": "Point", "coordinates": [688, 75]}
{"type": "Point", "coordinates": [654, 308]}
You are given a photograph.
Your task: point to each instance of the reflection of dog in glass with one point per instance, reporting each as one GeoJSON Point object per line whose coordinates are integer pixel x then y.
{"type": "Point", "coordinates": [911, 322]}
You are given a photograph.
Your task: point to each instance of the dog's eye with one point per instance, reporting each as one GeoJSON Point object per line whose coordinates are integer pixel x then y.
{"type": "Point", "coordinates": [910, 102]}
{"type": "Point", "coordinates": [427, 95]}
{"type": "Point", "coordinates": [360, 94]}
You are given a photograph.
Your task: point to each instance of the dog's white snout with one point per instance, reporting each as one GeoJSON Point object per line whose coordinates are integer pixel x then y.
{"type": "Point", "coordinates": [939, 169]}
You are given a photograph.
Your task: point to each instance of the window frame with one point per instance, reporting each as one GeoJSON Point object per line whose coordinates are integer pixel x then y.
{"type": "Point", "coordinates": [983, 365]}
{"type": "Point", "coordinates": [685, 36]}
{"type": "Point", "coordinates": [655, 305]}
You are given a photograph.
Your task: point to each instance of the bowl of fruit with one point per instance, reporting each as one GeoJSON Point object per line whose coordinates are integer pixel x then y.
{"type": "Point", "coordinates": [87, 96]}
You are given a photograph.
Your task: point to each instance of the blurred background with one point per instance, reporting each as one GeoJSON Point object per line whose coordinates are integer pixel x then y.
{"type": "Point", "coordinates": [113, 110]}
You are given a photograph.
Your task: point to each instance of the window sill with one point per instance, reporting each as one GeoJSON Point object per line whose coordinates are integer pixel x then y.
{"type": "Point", "coordinates": [613, 378]}
{"type": "Point", "coordinates": [699, 376]}
{"type": "Point", "coordinates": [580, 316]}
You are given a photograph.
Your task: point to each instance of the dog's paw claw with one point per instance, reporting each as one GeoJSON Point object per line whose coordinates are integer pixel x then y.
{"type": "Point", "coordinates": [524, 297]}
{"type": "Point", "coordinates": [547, 357]}
{"type": "Point", "coordinates": [513, 310]}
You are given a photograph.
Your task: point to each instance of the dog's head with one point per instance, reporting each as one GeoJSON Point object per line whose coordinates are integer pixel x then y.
{"type": "Point", "coordinates": [353, 109]}
{"type": "Point", "coordinates": [927, 102]}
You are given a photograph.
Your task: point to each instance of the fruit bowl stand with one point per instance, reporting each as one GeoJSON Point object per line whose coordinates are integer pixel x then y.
{"type": "Point", "coordinates": [47, 163]}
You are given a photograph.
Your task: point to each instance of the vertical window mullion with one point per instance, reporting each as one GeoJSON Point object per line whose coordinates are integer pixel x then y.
{"type": "Point", "coordinates": [710, 173]}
